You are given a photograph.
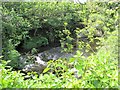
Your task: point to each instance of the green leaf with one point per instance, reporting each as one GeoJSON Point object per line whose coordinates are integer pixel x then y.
{"type": "Point", "coordinates": [46, 70]}
{"type": "Point", "coordinates": [71, 60]}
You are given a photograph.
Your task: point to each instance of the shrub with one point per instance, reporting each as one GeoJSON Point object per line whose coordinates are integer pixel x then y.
{"type": "Point", "coordinates": [13, 55]}
{"type": "Point", "coordinates": [35, 42]}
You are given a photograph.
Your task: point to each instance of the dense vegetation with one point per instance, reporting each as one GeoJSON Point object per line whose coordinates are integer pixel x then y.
{"type": "Point", "coordinates": [32, 25]}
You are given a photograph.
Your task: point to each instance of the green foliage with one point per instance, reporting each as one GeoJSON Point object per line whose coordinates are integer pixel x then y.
{"type": "Point", "coordinates": [44, 22]}
{"type": "Point", "coordinates": [66, 40]}
{"type": "Point", "coordinates": [13, 55]}
{"type": "Point", "coordinates": [34, 51]}
{"type": "Point", "coordinates": [35, 42]}
{"type": "Point", "coordinates": [22, 20]}
{"type": "Point", "coordinates": [10, 79]}
{"type": "Point", "coordinates": [96, 71]}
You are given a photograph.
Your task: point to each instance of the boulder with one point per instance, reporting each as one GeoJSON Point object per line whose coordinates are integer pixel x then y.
{"type": "Point", "coordinates": [54, 54]}
{"type": "Point", "coordinates": [37, 66]}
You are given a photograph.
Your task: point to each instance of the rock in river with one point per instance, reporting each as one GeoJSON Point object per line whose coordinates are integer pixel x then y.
{"type": "Point", "coordinates": [38, 66]}
{"type": "Point", "coordinates": [54, 54]}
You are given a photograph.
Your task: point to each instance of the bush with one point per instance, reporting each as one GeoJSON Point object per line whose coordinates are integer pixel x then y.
{"type": "Point", "coordinates": [13, 55]}
{"type": "Point", "coordinates": [35, 42]}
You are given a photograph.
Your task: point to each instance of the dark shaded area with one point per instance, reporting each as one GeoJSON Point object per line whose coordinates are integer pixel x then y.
{"type": "Point", "coordinates": [20, 48]}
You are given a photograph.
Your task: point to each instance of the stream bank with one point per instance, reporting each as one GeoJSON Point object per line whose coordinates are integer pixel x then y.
{"type": "Point", "coordinates": [38, 62]}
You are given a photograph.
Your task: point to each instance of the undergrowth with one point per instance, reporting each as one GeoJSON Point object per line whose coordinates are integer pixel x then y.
{"type": "Point", "coordinates": [97, 71]}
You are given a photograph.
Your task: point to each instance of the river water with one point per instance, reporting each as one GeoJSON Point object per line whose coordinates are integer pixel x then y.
{"type": "Point", "coordinates": [54, 51]}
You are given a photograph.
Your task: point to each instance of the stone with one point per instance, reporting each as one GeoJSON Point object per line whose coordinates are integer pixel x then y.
{"type": "Point", "coordinates": [39, 63]}
{"type": "Point", "coordinates": [38, 66]}
{"type": "Point", "coordinates": [54, 54]}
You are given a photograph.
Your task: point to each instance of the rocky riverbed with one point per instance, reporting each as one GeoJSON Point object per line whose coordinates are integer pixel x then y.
{"type": "Point", "coordinates": [39, 61]}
